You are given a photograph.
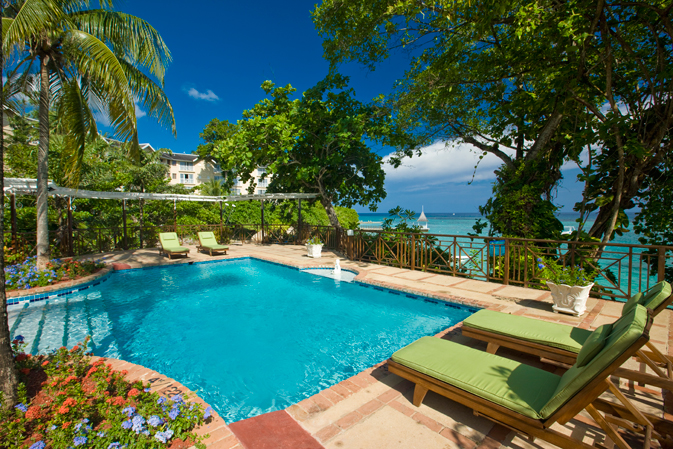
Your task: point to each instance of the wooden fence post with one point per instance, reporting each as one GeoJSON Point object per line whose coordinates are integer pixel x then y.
{"type": "Point", "coordinates": [413, 251]}
{"type": "Point", "coordinates": [506, 267]}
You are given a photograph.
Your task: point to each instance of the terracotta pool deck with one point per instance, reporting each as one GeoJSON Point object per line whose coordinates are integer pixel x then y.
{"type": "Point", "coordinates": [373, 409]}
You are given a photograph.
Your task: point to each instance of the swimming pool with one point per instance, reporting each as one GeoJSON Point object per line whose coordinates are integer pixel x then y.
{"type": "Point", "coordinates": [247, 335]}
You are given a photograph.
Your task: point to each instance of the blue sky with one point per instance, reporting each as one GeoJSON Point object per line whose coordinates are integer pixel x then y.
{"type": "Point", "coordinates": [222, 52]}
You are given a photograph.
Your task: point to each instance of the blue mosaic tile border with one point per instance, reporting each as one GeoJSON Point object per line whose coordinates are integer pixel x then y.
{"type": "Point", "coordinates": [57, 293]}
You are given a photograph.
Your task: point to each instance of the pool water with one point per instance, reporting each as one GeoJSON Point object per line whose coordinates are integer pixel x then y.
{"type": "Point", "coordinates": [248, 336]}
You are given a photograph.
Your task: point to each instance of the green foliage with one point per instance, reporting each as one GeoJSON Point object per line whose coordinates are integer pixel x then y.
{"type": "Point", "coordinates": [316, 144]}
{"type": "Point", "coordinates": [75, 401]}
{"type": "Point", "coordinates": [314, 241]}
{"type": "Point", "coordinates": [572, 275]}
{"type": "Point", "coordinates": [401, 221]}
{"type": "Point", "coordinates": [516, 208]}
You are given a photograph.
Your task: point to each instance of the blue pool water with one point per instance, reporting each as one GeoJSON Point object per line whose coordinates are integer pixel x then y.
{"type": "Point", "coordinates": [249, 336]}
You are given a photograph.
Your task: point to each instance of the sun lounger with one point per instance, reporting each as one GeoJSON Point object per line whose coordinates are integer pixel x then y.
{"type": "Point", "coordinates": [170, 244]}
{"type": "Point", "coordinates": [559, 343]}
{"type": "Point", "coordinates": [207, 242]}
{"type": "Point", "coordinates": [528, 399]}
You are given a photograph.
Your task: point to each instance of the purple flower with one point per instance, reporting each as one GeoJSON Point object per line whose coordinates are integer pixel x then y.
{"type": "Point", "coordinates": [207, 412]}
{"type": "Point", "coordinates": [79, 441]}
{"type": "Point", "coordinates": [147, 390]}
{"type": "Point", "coordinates": [161, 400]}
{"type": "Point", "coordinates": [155, 421]}
{"type": "Point", "coordinates": [101, 434]}
{"type": "Point", "coordinates": [114, 446]}
{"type": "Point", "coordinates": [168, 433]}
{"type": "Point", "coordinates": [21, 407]}
{"type": "Point", "coordinates": [77, 427]}
{"type": "Point", "coordinates": [540, 266]}
{"type": "Point", "coordinates": [160, 436]}
{"type": "Point", "coordinates": [138, 422]}
{"type": "Point", "coordinates": [129, 411]}
{"type": "Point", "coordinates": [19, 338]}
{"type": "Point", "coordinates": [127, 424]}
{"type": "Point", "coordinates": [174, 413]}
{"type": "Point", "coordinates": [38, 445]}
{"type": "Point", "coordinates": [177, 398]}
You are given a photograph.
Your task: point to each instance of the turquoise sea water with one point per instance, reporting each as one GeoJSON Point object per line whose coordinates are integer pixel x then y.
{"type": "Point", "coordinates": [249, 336]}
{"type": "Point", "coordinates": [461, 223]}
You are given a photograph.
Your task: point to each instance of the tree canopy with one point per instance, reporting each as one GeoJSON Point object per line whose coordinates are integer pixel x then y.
{"type": "Point", "coordinates": [534, 82]}
{"type": "Point", "coordinates": [319, 143]}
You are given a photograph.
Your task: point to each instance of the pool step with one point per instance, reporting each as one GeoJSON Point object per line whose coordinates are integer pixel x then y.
{"type": "Point", "coordinates": [66, 321]}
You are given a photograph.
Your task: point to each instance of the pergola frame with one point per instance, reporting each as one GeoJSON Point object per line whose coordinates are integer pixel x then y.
{"type": "Point", "coordinates": [27, 186]}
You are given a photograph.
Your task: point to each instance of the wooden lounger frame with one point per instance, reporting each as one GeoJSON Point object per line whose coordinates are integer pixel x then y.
{"type": "Point", "coordinates": [171, 253]}
{"type": "Point", "coordinates": [658, 362]}
{"type": "Point", "coordinates": [624, 414]}
{"type": "Point", "coordinates": [210, 250]}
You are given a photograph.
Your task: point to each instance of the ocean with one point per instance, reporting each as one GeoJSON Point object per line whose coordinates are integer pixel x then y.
{"type": "Point", "coordinates": [461, 223]}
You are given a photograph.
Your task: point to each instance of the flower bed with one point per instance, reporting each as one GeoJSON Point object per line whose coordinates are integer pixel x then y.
{"type": "Point", "coordinates": [69, 401]}
{"type": "Point", "coordinates": [26, 275]}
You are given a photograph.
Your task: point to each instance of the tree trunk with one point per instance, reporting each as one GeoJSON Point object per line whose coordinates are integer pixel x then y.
{"type": "Point", "coordinates": [43, 168]}
{"type": "Point", "coordinates": [331, 212]}
{"type": "Point", "coordinates": [8, 376]}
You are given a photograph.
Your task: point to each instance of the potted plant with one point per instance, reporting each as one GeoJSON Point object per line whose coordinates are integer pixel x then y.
{"type": "Point", "coordinates": [569, 286]}
{"type": "Point", "coordinates": [314, 246]}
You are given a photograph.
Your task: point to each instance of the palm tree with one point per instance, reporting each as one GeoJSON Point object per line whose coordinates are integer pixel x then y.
{"type": "Point", "coordinates": [212, 187]}
{"type": "Point", "coordinates": [89, 61]}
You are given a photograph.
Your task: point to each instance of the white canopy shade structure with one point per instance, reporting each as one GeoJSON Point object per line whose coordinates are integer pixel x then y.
{"type": "Point", "coordinates": [27, 186]}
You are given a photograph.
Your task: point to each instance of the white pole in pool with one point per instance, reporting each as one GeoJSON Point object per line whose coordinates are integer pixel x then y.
{"type": "Point", "coordinates": [337, 269]}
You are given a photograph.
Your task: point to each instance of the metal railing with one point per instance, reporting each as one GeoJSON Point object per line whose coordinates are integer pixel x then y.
{"type": "Point", "coordinates": [621, 269]}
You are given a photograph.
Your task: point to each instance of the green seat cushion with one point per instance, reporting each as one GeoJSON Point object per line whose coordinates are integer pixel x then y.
{"type": "Point", "coordinates": [215, 246]}
{"type": "Point", "coordinates": [625, 332]}
{"type": "Point", "coordinates": [529, 329]}
{"type": "Point", "coordinates": [594, 344]}
{"type": "Point", "coordinates": [513, 385]}
{"type": "Point", "coordinates": [175, 249]}
{"type": "Point", "coordinates": [651, 298]}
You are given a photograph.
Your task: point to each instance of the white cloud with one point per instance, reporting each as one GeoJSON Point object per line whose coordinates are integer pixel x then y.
{"type": "Point", "coordinates": [440, 164]}
{"type": "Point", "coordinates": [208, 95]}
{"type": "Point", "coordinates": [139, 112]}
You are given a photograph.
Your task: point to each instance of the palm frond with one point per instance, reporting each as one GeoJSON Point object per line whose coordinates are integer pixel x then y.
{"type": "Point", "coordinates": [150, 96]}
{"type": "Point", "coordinates": [107, 79]}
{"type": "Point", "coordinates": [32, 19]}
{"type": "Point", "coordinates": [77, 121]}
{"type": "Point", "coordinates": [130, 37]}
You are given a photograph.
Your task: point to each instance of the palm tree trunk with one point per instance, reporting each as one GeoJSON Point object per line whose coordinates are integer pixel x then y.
{"type": "Point", "coordinates": [8, 376]}
{"type": "Point", "coordinates": [43, 168]}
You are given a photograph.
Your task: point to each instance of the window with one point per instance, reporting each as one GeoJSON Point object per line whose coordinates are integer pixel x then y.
{"type": "Point", "coordinates": [261, 171]}
{"type": "Point", "coordinates": [263, 182]}
{"type": "Point", "coordinates": [172, 162]}
{"type": "Point", "coordinates": [235, 191]}
{"type": "Point", "coordinates": [261, 191]}
{"type": "Point", "coordinates": [186, 178]}
{"type": "Point", "coordinates": [174, 176]}
{"type": "Point", "coordinates": [237, 181]}
{"type": "Point", "coordinates": [186, 166]}
{"type": "Point", "coordinates": [217, 167]}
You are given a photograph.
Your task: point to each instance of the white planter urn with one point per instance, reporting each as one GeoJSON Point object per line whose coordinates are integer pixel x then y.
{"type": "Point", "coordinates": [314, 251]}
{"type": "Point", "coordinates": [569, 299]}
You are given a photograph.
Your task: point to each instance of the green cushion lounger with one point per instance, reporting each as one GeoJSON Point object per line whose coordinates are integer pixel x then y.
{"type": "Point", "coordinates": [560, 344]}
{"type": "Point", "coordinates": [207, 242]}
{"type": "Point", "coordinates": [171, 245]}
{"type": "Point", "coordinates": [528, 399]}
